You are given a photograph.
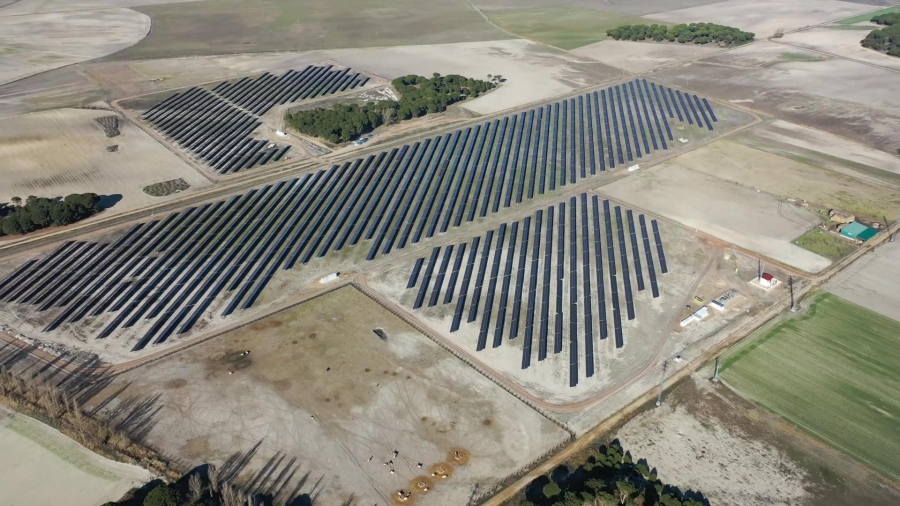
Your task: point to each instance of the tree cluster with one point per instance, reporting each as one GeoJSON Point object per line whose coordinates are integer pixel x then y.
{"type": "Point", "coordinates": [609, 477]}
{"type": "Point", "coordinates": [418, 96]}
{"type": "Point", "coordinates": [885, 40]}
{"type": "Point", "coordinates": [40, 212]}
{"type": "Point", "coordinates": [698, 33]}
{"type": "Point", "coordinates": [193, 489]}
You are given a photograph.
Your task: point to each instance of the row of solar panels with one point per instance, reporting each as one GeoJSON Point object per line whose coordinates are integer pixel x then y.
{"type": "Point", "coordinates": [583, 235]}
{"type": "Point", "coordinates": [172, 270]}
{"type": "Point", "coordinates": [216, 126]}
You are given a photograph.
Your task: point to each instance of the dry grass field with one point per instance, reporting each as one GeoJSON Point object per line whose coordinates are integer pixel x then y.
{"type": "Point", "coordinates": [736, 214]}
{"type": "Point", "coordinates": [788, 178]}
{"type": "Point", "coordinates": [830, 372]}
{"type": "Point", "coordinates": [196, 28]}
{"type": "Point", "coordinates": [841, 97]}
{"type": "Point", "coordinates": [42, 466]}
{"type": "Point", "coordinates": [63, 151]}
{"type": "Point", "coordinates": [642, 56]}
{"type": "Point", "coordinates": [321, 389]}
{"type": "Point", "coordinates": [765, 16]}
{"type": "Point", "coordinates": [35, 38]}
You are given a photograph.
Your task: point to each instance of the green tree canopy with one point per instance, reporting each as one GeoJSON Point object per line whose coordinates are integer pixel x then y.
{"type": "Point", "coordinates": [41, 212]}
{"type": "Point", "coordinates": [418, 96]}
{"type": "Point", "coordinates": [697, 33]}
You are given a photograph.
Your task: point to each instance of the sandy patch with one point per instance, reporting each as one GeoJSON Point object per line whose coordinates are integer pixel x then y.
{"type": "Point", "coordinates": [842, 43]}
{"type": "Point", "coordinates": [42, 466]}
{"type": "Point", "coordinates": [321, 391]}
{"type": "Point", "coordinates": [736, 214]}
{"type": "Point", "coordinates": [642, 56]}
{"type": "Point", "coordinates": [37, 42]}
{"type": "Point", "coordinates": [872, 281]}
{"type": "Point", "coordinates": [64, 151]}
{"type": "Point", "coordinates": [729, 466]}
{"type": "Point", "coordinates": [765, 16]}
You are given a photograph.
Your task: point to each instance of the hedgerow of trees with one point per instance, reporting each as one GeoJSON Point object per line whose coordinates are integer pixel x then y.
{"type": "Point", "coordinates": [886, 40]}
{"type": "Point", "coordinates": [609, 477]}
{"type": "Point", "coordinates": [697, 33]}
{"type": "Point", "coordinates": [40, 212]}
{"type": "Point", "coordinates": [418, 96]}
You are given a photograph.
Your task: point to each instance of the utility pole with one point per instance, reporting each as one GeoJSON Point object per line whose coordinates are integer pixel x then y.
{"type": "Point", "coordinates": [715, 377]}
{"type": "Point", "coordinates": [661, 381]}
{"type": "Point", "coordinates": [791, 284]}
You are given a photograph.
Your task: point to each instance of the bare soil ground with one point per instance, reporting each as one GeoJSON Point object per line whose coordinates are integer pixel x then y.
{"type": "Point", "coordinates": [707, 438]}
{"type": "Point", "coordinates": [793, 179]}
{"type": "Point", "coordinates": [872, 281]}
{"type": "Point", "coordinates": [743, 216]}
{"type": "Point", "coordinates": [765, 16]}
{"type": "Point", "coordinates": [38, 39]}
{"type": "Point", "coordinates": [327, 401]}
{"type": "Point", "coordinates": [42, 466]}
{"type": "Point", "coordinates": [60, 152]}
{"type": "Point", "coordinates": [842, 97]}
{"type": "Point", "coordinates": [841, 42]}
{"type": "Point", "coordinates": [642, 56]}
{"type": "Point", "coordinates": [288, 25]}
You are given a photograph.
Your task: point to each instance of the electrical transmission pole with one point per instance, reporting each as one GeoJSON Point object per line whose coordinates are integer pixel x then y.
{"type": "Point", "coordinates": [716, 374]}
{"type": "Point", "coordinates": [661, 381]}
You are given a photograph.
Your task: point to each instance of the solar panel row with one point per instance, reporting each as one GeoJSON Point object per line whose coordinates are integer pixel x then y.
{"type": "Point", "coordinates": [569, 232]}
{"type": "Point", "coordinates": [215, 126]}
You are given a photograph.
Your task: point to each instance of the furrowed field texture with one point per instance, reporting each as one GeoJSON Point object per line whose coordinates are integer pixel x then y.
{"type": "Point", "coordinates": [833, 373]}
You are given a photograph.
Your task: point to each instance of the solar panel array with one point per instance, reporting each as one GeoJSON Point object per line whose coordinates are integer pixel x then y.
{"type": "Point", "coordinates": [584, 241]}
{"type": "Point", "coordinates": [215, 126]}
{"type": "Point", "coordinates": [169, 272]}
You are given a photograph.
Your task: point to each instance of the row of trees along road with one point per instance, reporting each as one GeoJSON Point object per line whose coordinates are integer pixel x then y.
{"type": "Point", "coordinates": [698, 33]}
{"type": "Point", "coordinates": [609, 477]}
{"type": "Point", "coordinates": [418, 96]}
{"type": "Point", "coordinates": [40, 212]}
{"type": "Point", "coordinates": [886, 40]}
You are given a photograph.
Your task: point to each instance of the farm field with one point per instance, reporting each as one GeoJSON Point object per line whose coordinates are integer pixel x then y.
{"type": "Point", "coordinates": [192, 29]}
{"type": "Point", "coordinates": [322, 390]}
{"type": "Point", "coordinates": [829, 371]}
{"type": "Point", "coordinates": [36, 456]}
{"type": "Point", "coordinates": [755, 169]}
{"type": "Point", "coordinates": [706, 437]}
{"type": "Point", "coordinates": [829, 245]}
{"type": "Point", "coordinates": [565, 27]}
{"type": "Point", "coordinates": [642, 56]}
{"type": "Point", "coordinates": [766, 16]}
{"type": "Point", "coordinates": [872, 281]}
{"type": "Point", "coordinates": [841, 97]}
{"type": "Point", "coordinates": [36, 37]}
{"type": "Point", "coordinates": [634, 7]}
{"type": "Point", "coordinates": [837, 40]}
{"type": "Point", "coordinates": [757, 221]}
{"type": "Point", "coordinates": [59, 152]}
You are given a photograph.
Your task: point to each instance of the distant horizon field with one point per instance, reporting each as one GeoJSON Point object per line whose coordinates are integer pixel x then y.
{"type": "Point", "coordinates": [869, 16]}
{"type": "Point", "coordinates": [233, 26]}
{"type": "Point", "coordinates": [830, 372]}
{"type": "Point", "coordinates": [563, 27]}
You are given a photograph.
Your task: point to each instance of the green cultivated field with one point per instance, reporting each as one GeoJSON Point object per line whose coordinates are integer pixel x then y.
{"type": "Point", "coordinates": [241, 26]}
{"type": "Point", "coordinates": [828, 245]}
{"type": "Point", "coordinates": [835, 373]}
{"type": "Point", "coordinates": [563, 27]}
{"type": "Point", "coordinates": [869, 16]}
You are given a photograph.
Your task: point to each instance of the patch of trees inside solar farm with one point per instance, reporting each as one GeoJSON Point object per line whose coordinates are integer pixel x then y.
{"type": "Point", "coordinates": [886, 40]}
{"type": "Point", "coordinates": [697, 33]}
{"type": "Point", "coordinates": [41, 212]}
{"type": "Point", "coordinates": [418, 96]}
{"type": "Point", "coordinates": [609, 477]}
